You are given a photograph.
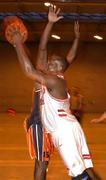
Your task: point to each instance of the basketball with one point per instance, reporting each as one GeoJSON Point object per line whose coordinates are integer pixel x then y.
{"type": "Point", "coordinates": [13, 24]}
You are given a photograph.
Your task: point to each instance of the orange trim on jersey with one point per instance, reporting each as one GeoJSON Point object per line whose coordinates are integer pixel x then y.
{"type": "Point", "coordinates": [47, 149]}
{"type": "Point", "coordinates": [30, 143]}
{"type": "Point", "coordinates": [48, 146]}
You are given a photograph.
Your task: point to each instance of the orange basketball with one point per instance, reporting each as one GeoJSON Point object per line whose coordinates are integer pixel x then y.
{"type": "Point", "coordinates": [12, 24]}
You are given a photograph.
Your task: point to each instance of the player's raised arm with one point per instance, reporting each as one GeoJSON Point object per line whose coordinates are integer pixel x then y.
{"type": "Point", "coordinates": [73, 50]}
{"type": "Point", "coordinates": [53, 17]}
{"type": "Point", "coordinates": [25, 62]}
{"type": "Point", "coordinates": [16, 34]}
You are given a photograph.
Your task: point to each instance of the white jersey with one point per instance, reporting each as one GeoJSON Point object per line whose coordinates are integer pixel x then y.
{"type": "Point", "coordinates": [54, 111]}
{"type": "Point", "coordinates": [66, 132]}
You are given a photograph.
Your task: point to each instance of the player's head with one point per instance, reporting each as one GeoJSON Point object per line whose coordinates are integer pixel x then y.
{"type": "Point", "coordinates": [57, 64]}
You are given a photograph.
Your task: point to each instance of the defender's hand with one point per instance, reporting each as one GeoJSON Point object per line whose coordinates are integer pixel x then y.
{"type": "Point", "coordinates": [76, 29]}
{"type": "Point", "coordinates": [53, 14]}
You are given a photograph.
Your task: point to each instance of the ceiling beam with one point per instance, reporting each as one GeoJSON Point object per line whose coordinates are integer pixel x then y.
{"type": "Point", "coordinates": [24, 6]}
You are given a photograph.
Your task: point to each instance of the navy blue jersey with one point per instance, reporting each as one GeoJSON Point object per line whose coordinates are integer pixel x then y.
{"type": "Point", "coordinates": [34, 117]}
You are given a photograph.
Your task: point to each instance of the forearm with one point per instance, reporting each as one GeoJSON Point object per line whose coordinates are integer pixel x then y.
{"type": "Point", "coordinates": [24, 61]}
{"type": "Point", "coordinates": [45, 36]}
{"type": "Point", "coordinates": [73, 51]}
{"type": "Point", "coordinates": [41, 62]}
{"type": "Point", "coordinates": [42, 51]}
{"type": "Point", "coordinates": [26, 65]}
{"type": "Point", "coordinates": [52, 18]}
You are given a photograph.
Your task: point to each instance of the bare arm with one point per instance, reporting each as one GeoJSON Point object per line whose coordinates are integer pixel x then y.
{"type": "Point", "coordinates": [42, 51]}
{"type": "Point", "coordinates": [73, 50]}
{"type": "Point", "coordinates": [24, 60]}
{"type": "Point", "coordinates": [101, 119]}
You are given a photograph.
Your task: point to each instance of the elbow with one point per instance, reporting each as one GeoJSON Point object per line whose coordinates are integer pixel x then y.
{"type": "Point", "coordinates": [27, 71]}
{"type": "Point", "coordinates": [29, 75]}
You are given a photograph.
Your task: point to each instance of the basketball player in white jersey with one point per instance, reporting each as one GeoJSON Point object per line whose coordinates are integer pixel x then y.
{"type": "Point", "coordinates": [65, 130]}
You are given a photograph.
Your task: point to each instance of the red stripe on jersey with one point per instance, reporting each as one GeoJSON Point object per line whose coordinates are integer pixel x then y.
{"type": "Point", "coordinates": [62, 115]}
{"type": "Point", "coordinates": [86, 156]}
{"type": "Point", "coordinates": [61, 110]}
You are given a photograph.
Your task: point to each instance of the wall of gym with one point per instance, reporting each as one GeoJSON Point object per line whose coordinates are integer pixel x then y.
{"type": "Point", "coordinates": [88, 72]}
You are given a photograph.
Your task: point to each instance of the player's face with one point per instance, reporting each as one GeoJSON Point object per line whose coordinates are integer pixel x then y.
{"type": "Point", "coordinates": [54, 65]}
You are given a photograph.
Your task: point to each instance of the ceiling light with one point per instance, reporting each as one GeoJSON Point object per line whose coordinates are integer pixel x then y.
{"type": "Point", "coordinates": [98, 37]}
{"type": "Point", "coordinates": [47, 4]}
{"type": "Point", "coordinates": [55, 36]}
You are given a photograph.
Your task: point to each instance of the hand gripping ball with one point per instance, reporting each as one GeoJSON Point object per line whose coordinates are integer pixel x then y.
{"type": "Point", "coordinates": [13, 24]}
